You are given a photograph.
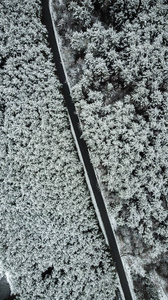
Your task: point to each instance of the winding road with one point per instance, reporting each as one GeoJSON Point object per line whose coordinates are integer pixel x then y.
{"type": "Point", "coordinates": [84, 155]}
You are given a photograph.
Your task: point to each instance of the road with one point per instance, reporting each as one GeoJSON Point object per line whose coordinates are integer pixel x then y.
{"type": "Point", "coordinates": [4, 288]}
{"type": "Point", "coordinates": [83, 152]}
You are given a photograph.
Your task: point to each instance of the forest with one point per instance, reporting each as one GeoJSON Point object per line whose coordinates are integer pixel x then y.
{"type": "Point", "coordinates": [51, 246]}
{"type": "Point", "coordinates": [116, 57]}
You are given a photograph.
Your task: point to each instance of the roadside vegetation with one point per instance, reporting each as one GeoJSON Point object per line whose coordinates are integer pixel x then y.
{"type": "Point", "coordinates": [117, 61]}
{"type": "Point", "coordinates": [51, 246]}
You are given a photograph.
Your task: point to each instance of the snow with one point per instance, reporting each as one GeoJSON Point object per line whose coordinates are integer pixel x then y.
{"type": "Point", "coordinates": [104, 195]}
{"type": "Point", "coordinates": [160, 285]}
{"type": "Point", "coordinates": [8, 277]}
{"type": "Point", "coordinates": [58, 43]}
{"type": "Point", "coordinates": [114, 226]}
{"type": "Point", "coordinates": [88, 183]}
{"type": "Point", "coordinates": [112, 220]}
{"type": "Point", "coordinates": [128, 269]}
{"type": "Point", "coordinates": [74, 135]}
{"type": "Point", "coordinates": [1, 270]}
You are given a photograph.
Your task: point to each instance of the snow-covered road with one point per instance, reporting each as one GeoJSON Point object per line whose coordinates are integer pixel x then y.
{"type": "Point", "coordinates": [84, 156]}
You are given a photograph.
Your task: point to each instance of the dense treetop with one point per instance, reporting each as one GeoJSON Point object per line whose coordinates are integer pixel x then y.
{"type": "Point", "coordinates": [117, 59]}
{"type": "Point", "coordinates": [51, 245]}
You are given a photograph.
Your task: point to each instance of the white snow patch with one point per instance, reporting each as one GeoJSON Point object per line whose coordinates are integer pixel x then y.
{"type": "Point", "coordinates": [9, 279]}
{"type": "Point", "coordinates": [121, 292]}
{"type": "Point", "coordinates": [1, 270]}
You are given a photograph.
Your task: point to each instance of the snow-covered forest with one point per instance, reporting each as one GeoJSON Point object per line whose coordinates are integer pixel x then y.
{"type": "Point", "coordinates": [51, 246]}
{"type": "Point", "coordinates": [116, 57]}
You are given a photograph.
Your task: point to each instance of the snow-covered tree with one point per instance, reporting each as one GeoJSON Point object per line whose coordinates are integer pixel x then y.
{"type": "Point", "coordinates": [121, 95]}
{"type": "Point", "coordinates": [51, 244]}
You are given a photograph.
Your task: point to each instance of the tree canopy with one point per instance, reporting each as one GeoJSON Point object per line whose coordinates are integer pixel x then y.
{"type": "Point", "coordinates": [51, 245]}
{"type": "Point", "coordinates": [118, 69]}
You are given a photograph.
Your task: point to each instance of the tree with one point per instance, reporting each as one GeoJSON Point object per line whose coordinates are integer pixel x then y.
{"type": "Point", "coordinates": [50, 240]}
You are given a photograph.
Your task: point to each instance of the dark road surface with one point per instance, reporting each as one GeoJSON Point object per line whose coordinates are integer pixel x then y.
{"type": "Point", "coordinates": [4, 289]}
{"type": "Point", "coordinates": [46, 18]}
